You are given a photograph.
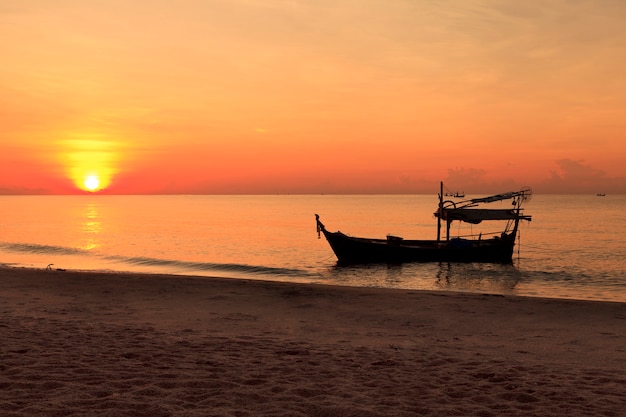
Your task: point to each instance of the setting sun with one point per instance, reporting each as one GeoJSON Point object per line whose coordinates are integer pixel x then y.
{"type": "Point", "coordinates": [92, 182]}
{"type": "Point", "coordinates": [89, 160]}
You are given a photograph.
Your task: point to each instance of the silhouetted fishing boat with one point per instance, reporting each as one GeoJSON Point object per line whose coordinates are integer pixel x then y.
{"type": "Point", "coordinates": [492, 248]}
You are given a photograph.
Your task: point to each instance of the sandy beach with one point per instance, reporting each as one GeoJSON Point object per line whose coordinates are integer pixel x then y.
{"type": "Point", "coordinates": [104, 344]}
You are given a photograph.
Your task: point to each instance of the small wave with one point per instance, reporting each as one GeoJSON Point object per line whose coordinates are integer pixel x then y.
{"type": "Point", "coordinates": [209, 266]}
{"type": "Point", "coordinates": [42, 249]}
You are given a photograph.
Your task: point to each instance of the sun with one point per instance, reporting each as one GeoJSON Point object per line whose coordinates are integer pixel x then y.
{"type": "Point", "coordinates": [92, 182]}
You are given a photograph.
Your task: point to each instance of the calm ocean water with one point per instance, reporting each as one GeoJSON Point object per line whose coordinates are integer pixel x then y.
{"type": "Point", "coordinates": [573, 248]}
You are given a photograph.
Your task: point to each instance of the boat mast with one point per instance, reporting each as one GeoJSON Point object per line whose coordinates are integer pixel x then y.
{"type": "Point", "coordinates": [517, 201]}
{"type": "Point", "coordinates": [440, 211]}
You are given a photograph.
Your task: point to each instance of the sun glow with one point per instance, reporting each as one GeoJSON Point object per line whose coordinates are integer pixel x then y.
{"type": "Point", "coordinates": [92, 182]}
{"type": "Point", "coordinates": [90, 161]}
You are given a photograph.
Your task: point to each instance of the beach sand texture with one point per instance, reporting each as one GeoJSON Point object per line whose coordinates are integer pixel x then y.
{"type": "Point", "coordinates": [99, 344]}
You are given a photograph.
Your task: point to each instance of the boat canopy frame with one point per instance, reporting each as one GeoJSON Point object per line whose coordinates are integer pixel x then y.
{"type": "Point", "coordinates": [467, 211]}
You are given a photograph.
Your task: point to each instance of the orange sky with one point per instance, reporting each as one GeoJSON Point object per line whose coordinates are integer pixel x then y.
{"type": "Point", "coordinates": [312, 96]}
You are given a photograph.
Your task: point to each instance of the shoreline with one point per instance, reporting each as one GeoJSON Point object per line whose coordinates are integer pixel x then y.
{"type": "Point", "coordinates": [192, 276]}
{"type": "Point", "coordinates": [110, 343]}
{"type": "Point", "coordinates": [246, 277]}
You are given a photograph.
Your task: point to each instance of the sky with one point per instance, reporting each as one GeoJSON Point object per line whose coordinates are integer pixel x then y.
{"type": "Point", "coordinates": [312, 96]}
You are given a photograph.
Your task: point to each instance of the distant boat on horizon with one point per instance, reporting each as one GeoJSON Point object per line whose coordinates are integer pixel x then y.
{"type": "Point", "coordinates": [601, 194]}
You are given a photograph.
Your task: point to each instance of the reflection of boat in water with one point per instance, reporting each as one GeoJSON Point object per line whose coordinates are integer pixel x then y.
{"type": "Point", "coordinates": [474, 248]}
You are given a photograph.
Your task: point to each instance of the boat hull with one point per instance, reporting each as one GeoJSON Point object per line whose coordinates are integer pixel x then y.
{"type": "Point", "coordinates": [354, 250]}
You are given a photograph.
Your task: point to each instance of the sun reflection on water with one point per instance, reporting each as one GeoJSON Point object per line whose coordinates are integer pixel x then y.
{"type": "Point", "coordinates": [91, 226]}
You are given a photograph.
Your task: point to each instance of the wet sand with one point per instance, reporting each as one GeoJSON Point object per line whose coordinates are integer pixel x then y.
{"type": "Point", "coordinates": [99, 344]}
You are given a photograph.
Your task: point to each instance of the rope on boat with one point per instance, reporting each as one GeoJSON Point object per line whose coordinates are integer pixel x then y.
{"type": "Point", "coordinates": [482, 234]}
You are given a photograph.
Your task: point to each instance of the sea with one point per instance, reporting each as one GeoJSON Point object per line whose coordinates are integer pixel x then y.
{"type": "Point", "coordinates": [574, 247]}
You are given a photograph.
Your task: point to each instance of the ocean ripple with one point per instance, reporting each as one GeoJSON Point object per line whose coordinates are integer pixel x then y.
{"type": "Point", "coordinates": [42, 249]}
{"type": "Point", "coordinates": [209, 266]}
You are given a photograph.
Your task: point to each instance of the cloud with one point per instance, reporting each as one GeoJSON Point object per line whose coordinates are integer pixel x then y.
{"type": "Point", "coordinates": [478, 181]}
{"type": "Point", "coordinates": [465, 175]}
{"type": "Point", "coordinates": [575, 176]}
